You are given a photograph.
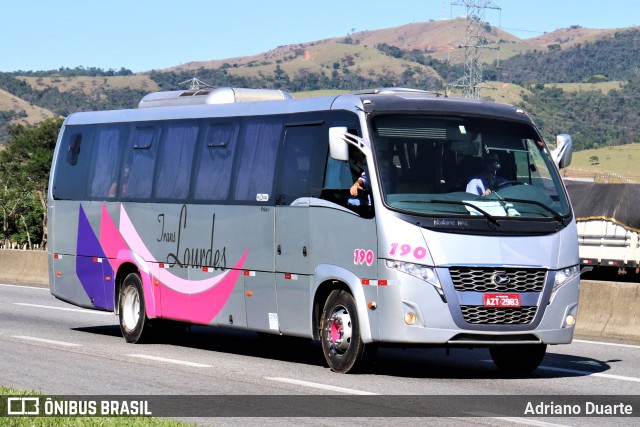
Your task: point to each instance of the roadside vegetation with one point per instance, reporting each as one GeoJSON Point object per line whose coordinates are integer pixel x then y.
{"type": "Point", "coordinates": [25, 162]}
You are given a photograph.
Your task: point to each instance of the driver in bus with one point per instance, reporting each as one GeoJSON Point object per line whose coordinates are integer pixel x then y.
{"type": "Point", "coordinates": [488, 180]}
{"type": "Point", "coordinates": [359, 185]}
{"type": "Point", "coordinates": [359, 189]}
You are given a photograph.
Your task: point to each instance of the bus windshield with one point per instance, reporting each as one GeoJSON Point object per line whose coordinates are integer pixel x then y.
{"type": "Point", "coordinates": [458, 165]}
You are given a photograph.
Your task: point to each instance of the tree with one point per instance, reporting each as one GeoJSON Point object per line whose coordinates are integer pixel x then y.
{"type": "Point", "coordinates": [24, 173]}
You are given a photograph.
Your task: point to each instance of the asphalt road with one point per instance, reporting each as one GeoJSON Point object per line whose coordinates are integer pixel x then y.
{"type": "Point", "coordinates": [55, 348]}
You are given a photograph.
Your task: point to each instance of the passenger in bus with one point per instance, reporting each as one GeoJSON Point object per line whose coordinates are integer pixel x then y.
{"type": "Point", "coordinates": [113, 189]}
{"type": "Point", "coordinates": [488, 180]}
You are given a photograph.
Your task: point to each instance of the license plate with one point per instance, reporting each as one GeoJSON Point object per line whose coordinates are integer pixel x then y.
{"type": "Point", "coordinates": [502, 300]}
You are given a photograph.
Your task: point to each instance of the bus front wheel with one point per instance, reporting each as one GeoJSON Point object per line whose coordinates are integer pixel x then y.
{"type": "Point", "coordinates": [343, 349]}
{"type": "Point", "coordinates": [518, 359]}
{"type": "Point", "coordinates": [131, 310]}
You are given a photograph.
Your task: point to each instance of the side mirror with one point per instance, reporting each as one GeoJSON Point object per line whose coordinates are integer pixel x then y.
{"type": "Point", "coordinates": [337, 144]}
{"type": "Point", "coordinates": [564, 149]}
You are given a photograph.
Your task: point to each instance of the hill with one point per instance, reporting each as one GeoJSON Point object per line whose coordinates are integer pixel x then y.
{"type": "Point", "coordinates": [442, 39]}
{"type": "Point", "coordinates": [14, 110]}
{"type": "Point", "coordinates": [30, 114]}
{"type": "Point", "coordinates": [433, 36]}
{"type": "Point", "coordinates": [90, 85]}
{"type": "Point", "coordinates": [608, 164]}
{"type": "Point", "coordinates": [576, 80]}
{"type": "Point", "coordinates": [569, 37]}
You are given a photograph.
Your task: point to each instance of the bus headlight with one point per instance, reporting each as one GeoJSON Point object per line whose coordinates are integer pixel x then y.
{"type": "Point", "coordinates": [564, 276]}
{"type": "Point", "coordinates": [422, 272]}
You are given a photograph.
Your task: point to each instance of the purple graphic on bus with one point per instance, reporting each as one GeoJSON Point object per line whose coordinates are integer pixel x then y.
{"type": "Point", "coordinates": [166, 294]}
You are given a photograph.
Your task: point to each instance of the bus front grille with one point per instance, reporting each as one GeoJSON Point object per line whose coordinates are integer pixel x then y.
{"type": "Point", "coordinates": [497, 279]}
{"type": "Point", "coordinates": [480, 315]}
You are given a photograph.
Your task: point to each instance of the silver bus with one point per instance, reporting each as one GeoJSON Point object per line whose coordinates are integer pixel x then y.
{"type": "Point", "coordinates": [382, 217]}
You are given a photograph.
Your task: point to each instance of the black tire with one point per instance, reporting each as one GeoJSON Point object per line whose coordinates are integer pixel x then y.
{"type": "Point", "coordinates": [343, 349]}
{"type": "Point", "coordinates": [132, 314]}
{"type": "Point", "coordinates": [518, 359]}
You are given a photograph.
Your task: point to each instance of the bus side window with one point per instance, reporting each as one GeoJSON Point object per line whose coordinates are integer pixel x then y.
{"type": "Point", "coordinates": [302, 164]}
{"type": "Point", "coordinates": [176, 161]}
{"type": "Point", "coordinates": [257, 160]}
{"type": "Point", "coordinates": [70, 175]}
{"type": "Point", "coordinates": [340, 176]}
{"type": "Point", "coordinates": [215, 161]}
{"type": "Point", "coordinates": [105, 161]}
{"type": "Point", "coordinates": [137, 173]}
{"type": "Point", "coordinates": [337, 175]}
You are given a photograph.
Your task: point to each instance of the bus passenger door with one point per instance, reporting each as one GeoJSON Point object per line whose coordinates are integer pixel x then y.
{"type": "Point", "coordinates": [300, 177]}
{"type": "Point", "coordinates": [293, 278]}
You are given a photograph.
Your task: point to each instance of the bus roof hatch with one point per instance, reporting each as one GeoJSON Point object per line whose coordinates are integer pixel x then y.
{"type": "Point", "coordinates": [223, 95]}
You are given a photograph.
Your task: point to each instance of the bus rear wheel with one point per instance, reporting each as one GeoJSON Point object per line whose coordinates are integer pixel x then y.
{"type": "Point", "coordinates": [343, 349]}
{"type": "Point", "coordinates": [518, 359]}
{"type": "Point", "coordinates": [133, 320]}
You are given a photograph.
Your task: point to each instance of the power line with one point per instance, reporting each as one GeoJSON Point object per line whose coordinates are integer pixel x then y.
{"type": "Point", "coordinates": [523, 31]}
{"type": "Point", "coordinates": [473, 45]}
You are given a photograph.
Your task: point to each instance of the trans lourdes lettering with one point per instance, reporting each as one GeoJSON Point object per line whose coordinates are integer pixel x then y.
{"type": "Point", "coordinates": [194, 256]}
{"type": "Point", "coordinates": [165, 237]}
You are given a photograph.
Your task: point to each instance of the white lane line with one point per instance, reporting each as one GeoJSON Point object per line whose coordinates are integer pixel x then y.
{"type": "Point", "coordinates": [165, 360]}
{"type": "Point", "coordinates": [78, 310]}
{"type": "Point", "coordinates": [321, 386]}
{"type": "Point", "coordinates": [607, 343]}
{"type": "Point", "coordinates": [366, 393]}
{"type": "Point", "coordinates": [515, 420]}
{"type": "Point", "coordinates": [43, 340]}
{"type": "Point", "coordinates": [585, 373]}
{"type": "Point", "coordinates": [25, 286]}
{"type": "Point", "coordinates": [591, 374]}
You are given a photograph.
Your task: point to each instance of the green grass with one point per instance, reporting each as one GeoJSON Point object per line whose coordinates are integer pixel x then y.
{"type": "Point", "coordinates": [603, 87]}
{"type": "Point", "coordinates": [19, 421]}
{"type": "Point", "coordinates": [621, 160]}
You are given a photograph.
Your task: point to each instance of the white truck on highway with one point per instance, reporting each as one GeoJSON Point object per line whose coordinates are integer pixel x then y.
{"type": "Point", "coordinates": [608, 224]}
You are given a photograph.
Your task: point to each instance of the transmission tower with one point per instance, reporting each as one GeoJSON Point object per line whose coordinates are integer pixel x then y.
{"type": "Point", "coordinates": [473, 44]}
{"type": "Point", "coordinates": [195, 84]}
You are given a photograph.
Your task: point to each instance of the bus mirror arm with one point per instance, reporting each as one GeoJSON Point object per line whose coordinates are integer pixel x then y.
{"type": "Point", "coordinates": [339, 141]}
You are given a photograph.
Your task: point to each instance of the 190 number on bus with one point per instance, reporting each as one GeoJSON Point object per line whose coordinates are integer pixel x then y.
{"type": "Point", "coordinates": [403, 250]}
{"type": "Point", "coordinates": [362, 256]}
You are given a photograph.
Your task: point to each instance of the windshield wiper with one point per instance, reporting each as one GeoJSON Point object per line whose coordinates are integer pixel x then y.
{"type": "Point", "coordinates": [555, 214]}
{"type": "Point", "coordinates": [486, 214]}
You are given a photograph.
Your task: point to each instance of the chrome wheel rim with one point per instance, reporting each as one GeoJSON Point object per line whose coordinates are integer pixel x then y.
{"type": "Point", "coordinates": [338, 331]}
{"type": "Point", "coordinates": [130, 308]}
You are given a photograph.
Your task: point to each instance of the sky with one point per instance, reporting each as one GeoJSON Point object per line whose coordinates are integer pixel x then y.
{"type": "Point", "coordinates": [142, 35]}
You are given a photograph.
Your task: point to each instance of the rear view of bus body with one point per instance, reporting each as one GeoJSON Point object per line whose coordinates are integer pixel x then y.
{"type": "Point", "coordinates": [236, 209]}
